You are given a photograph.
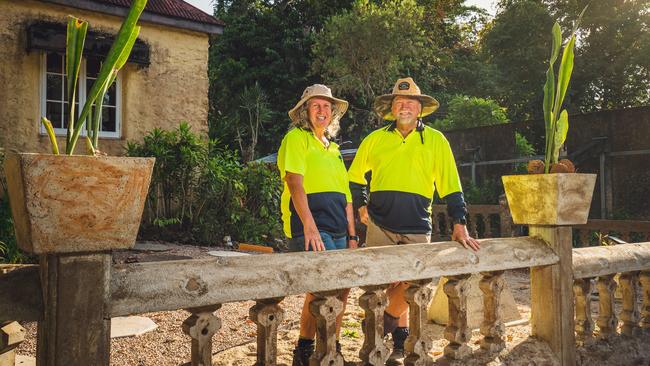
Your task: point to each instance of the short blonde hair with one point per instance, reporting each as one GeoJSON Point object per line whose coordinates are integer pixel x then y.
{"type": "Point", "coordinates": [303, 120]}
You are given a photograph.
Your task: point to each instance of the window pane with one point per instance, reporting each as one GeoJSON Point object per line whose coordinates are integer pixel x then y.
{"type": "Point", "coordinates": [108, 119]}
{"type": "Point", "coordinates": [92, 68]}
{"type": "Point", "coordinates": [54, 87]}
{"type": "Point", "coordinates": [66, 119]}
{"type": "Point", "coordinates": [109, 98]}
{"type": "Point", "coordinates": [55, 62]}
{"type": "Point", "coordinates": [65, 91]}
{"type": "Point", "coordinates": [54, 113]}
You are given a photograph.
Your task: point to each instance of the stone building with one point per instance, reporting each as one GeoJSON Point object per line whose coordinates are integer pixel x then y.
{"type": "Point", "coordinates": [164, 83]}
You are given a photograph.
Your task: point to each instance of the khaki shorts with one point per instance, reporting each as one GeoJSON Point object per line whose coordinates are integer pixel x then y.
{"type": "Point", "coordinates": [377, 237]}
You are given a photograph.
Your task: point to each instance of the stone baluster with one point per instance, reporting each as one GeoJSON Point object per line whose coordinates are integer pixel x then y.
{"type": "Point", "coordinates": [644, 278]}
{"type": "Point", "coordinates": [473, 226]}
{"type": "Point", "coordinates": [492, 327]}
{"type": "Point", "coordinates": [584, 327]}
{"type": "Point", "coordinates": [486, 225]}
{"type": "Point", "coordinates": [11, 336]}
{"type": "Point", "coordinates": [373, 302]}
{"type": "Point", "coordinates": [607, 320]}
{"type": "Point", "coordinates": [416, 347]}
{"type": "Point", "coordinates": [629, 283]}
{"type": "Point", "coordinates": [457, 332]}
{"type": "Point", "coordinates": [201, 326]}
{"type": "Point", "coordinates": [325, 308]}
{"type": "Point", "coordinates": [268, 316]}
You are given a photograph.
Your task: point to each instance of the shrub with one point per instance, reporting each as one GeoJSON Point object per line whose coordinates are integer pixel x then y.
{"type": "Point", "coordinates": [467, 112]}
{"type": "Point", "coordinates": [200, 192]}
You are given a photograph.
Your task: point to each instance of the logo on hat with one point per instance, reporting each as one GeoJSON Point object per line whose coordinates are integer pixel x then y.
{"type": "Point", "coordinates": [404, 86]}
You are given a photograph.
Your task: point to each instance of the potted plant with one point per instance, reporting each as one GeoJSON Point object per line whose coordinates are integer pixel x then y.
{"type": "Point", "coordinates": [553, 194]}
{"type": "Point", "coordinates": [76, 203]}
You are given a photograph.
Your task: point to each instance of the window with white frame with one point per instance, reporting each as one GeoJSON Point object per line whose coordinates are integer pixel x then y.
{"type": "Point", "coordinates": [54, 103]}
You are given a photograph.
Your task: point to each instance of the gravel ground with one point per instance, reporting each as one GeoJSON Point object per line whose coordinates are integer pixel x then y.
{"type": "Point", "coordinates": [234, 344]}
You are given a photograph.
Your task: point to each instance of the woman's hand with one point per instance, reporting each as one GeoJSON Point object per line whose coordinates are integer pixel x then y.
{"type": "Point", "coordinates": [313, 239]}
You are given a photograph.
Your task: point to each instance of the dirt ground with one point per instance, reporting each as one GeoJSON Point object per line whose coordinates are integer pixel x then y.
{"type": "Point", "coordinates": [234, 344]}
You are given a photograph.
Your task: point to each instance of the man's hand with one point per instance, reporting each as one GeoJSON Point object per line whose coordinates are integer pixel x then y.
{"type": "Point", "coordinates": [461, 235]}
{"type": "Point", "coordinates": [353, 244]}
{"type": "Point", "coordinates": [313, 240]}
{"type": "Point", "coordinates": [363, 215]}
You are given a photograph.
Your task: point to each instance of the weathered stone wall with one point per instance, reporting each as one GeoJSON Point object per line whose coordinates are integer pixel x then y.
{"type": "Point", "coordinates": [173, 88]}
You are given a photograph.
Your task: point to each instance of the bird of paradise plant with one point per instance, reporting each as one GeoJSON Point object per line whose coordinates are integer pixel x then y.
{"type": "Point", "coordinates": [91, 111]}
{"type": "Point", "coordinates": [556, 121]}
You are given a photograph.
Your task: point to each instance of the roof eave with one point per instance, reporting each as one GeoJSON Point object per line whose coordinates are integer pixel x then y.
{"type": "Point", "coordinates": [146, 16]}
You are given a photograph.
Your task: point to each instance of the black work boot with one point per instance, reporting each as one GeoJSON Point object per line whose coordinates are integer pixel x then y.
{"type": "Point", "coordinates": [396, 357]}
{"type": "Point", "coordinates": [303, 352]}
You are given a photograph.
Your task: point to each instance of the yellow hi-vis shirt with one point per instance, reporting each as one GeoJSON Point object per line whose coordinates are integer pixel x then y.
{"type": "Point", "coordinates": [405, 173]}
{"type": "Point", "coordinates": [325, 181]}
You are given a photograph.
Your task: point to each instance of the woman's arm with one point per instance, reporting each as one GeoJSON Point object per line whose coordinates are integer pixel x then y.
{"type": "Point", "coordinates": [349, 212]}
{"type": "Point", "coordinates": [299, 199]}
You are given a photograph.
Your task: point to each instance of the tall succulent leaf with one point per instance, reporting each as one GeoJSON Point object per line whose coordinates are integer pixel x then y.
{"type": "Point", "coordinates": [121, 61]}
{"type": "Point", "coordinates": [564, 74]}
{"type": "Point", "coordinates": [75, 39]}
{"type": "Point", "coordinates": [562, 128]}
{"type": "Point", "coordinates": [50, 133]}
{"type": "Point", "coordinates": [549, 89]}
{"type": "Point", "coordinates": [108, 66]}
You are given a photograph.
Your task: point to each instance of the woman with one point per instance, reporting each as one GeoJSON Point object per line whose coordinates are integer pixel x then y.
{"type": "Point", "coordinates": [316, 201]}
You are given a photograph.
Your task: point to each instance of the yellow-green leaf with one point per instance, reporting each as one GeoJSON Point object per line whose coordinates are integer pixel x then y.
{"type": "Point", "coordinates": [50, 133]}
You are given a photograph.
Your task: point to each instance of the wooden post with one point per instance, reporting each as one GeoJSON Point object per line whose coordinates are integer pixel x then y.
{"type": "Point", "coordinates": [552, 295]}
{"type": "Point", "coordinates": [630, 315]}
{"type": "Point", "coordinates": [607, 320]}
{"type": "Point", "coordinates": [492, 327]}
{"type": "Point", "coordinates": [417, 348]}
{"type": "Point", "coordinates": [582, 289]}
{"type": "Point", "coordinates": [325, 308]}
{"type": "Point", "coordinates": [76, 328]}
{"type": "Point", "coordinates": [268, 315]}
{"type": "Point", "coordinates": [373, 302]}
{"type": "Point", "coordinates": [201, 326]}
{"type": "Point", "coordinates": [457, 332]}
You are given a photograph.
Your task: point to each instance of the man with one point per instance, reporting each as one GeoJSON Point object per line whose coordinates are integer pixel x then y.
{"type": "Point", "coordinates": [407, 161]}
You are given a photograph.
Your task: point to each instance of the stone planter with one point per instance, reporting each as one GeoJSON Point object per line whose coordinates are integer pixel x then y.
{"type": "Point", "coordinates": [549, 199]}
{"type": "Point", "coordinates": [64, 204]}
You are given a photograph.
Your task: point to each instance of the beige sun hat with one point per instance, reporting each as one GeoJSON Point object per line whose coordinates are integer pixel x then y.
{"type": "Point", "coordinates": [404, 87]}
{"type": "Point", "coordinates": [319, 90]}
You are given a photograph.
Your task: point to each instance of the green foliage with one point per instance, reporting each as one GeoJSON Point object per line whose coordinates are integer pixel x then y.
{"type": "Point", "coordinates": [200, 192]}
{"type": "Point", "coordinates": [467, 112]}
{"type": "Point", "coordinates": [612, 50]}
{"type": "Point", "coordinates": [516, 44]}
{"type": "Point", "coordinates": [523, 148]}
{"type": "Point", "coordinates": [486, 193]}
{"type": "Point", "coordinates": [362, 51]}
{"type": "Point", "coordinates": [265, 42]}
{"type": "Point", "coordinates": [115, 60]}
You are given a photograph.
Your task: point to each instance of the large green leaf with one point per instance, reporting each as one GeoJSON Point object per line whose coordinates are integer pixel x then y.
{"type": "Point", "coordinates": [75, 39]}
{"type": "Point", "coordinates": [123, 39]}
{"type": "Point", "coordinates": [564, 74]}
{"type": "Point", "coordinates": [560, 134]}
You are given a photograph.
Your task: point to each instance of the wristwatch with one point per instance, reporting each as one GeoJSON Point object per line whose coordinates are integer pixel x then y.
{"type": "Point", "coordinates": [458, 220]}
{"type": "Point", "coordinates": [353, 237]}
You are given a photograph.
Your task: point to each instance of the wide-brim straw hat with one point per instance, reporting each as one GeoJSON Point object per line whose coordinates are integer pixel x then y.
{"type": "Point", "coordinates": [322, 91]}
{"type": "Point", "coordinates": [405, 87]}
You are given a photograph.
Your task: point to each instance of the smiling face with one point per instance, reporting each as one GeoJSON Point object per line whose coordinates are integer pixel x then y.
{"type": "Point", "coordinates": [405, 109]}
{"type": "Point", "coordinates": [319, 111]}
